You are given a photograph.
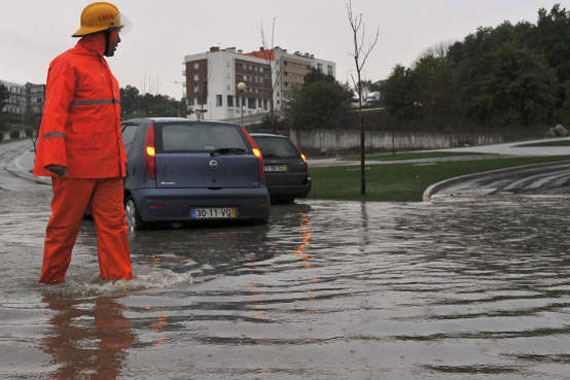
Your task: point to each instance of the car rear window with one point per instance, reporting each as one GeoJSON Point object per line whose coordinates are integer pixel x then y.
{"type": "Point", "coordinates": [276, 147]}
{"type": "Point", "coordinates": [198, 138]}
{"type": "Point", "coordinates": [129, 132]}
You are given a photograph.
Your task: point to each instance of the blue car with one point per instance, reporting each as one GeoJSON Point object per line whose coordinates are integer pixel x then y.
{"type": "Point", "coordinates": [182, 170]}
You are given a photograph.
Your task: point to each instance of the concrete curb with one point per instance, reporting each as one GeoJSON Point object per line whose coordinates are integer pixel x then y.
{"type": "Point", "coordinates": [25, 172]}
{"type": "Point", "coordinates": [21, 166]}
{"type": "Point", "coordinates": [438, 188]}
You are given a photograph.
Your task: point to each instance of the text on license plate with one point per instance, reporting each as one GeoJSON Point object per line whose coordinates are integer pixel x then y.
{"type": "Point", "coordinates": [213, 212]}
{"type": "Point", "coordinates": [275, 168]}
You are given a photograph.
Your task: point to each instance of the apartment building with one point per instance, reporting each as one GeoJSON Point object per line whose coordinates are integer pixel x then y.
{"type": "Point", "coordinates": [36, 97]}
{"type": "Point", "coordinates": [269, 75]}
{"type": "Point", "coordinates": [23, 98]}
{"type": "Point", "coordinates": [289, 70]}
{"type": "Point", "coordinates": [16, 103]}
{"type": "Point", "coordinates": [212, 80]}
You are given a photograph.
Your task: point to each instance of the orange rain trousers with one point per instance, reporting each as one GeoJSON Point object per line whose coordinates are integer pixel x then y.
{"type": "Point", "coordinates": [71, 197]}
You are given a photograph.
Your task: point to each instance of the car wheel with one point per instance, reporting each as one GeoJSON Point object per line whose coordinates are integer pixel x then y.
{"type": "Point", "coordinates": [134, 220]}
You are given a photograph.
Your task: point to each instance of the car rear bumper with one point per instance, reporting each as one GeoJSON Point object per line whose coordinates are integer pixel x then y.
{"type": "Point", "coordinates": [167, 205]}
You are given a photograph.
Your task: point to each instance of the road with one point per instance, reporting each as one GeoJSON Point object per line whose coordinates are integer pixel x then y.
{"type": "Point", "coordinates": [16, 161]}
{"type": "Point", "coordinates": [452, 289]}
{"type": "Point", "coordinates": [545, 179]}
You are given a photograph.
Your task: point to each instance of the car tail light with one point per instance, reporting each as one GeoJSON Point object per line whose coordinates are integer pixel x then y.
{"type": "Point", "coordinates": [255, 150]}
{"type": "Point", "coordinates": [302, 155]}
{"type": "Point", "coordinates": [150, 153]}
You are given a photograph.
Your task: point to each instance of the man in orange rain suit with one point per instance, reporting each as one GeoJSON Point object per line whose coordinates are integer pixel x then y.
{"type": "Point", "coordinates": [80, 147]}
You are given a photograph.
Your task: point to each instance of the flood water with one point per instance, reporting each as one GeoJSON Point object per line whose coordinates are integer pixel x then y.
{"type": "Point", "coordinates": [455, 289]}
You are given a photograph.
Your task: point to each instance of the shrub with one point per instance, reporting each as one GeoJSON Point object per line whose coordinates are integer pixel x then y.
{"type": "Point", "coordinates": [29, 132]}
{"type": "Point", "coordinates": [14, 134]}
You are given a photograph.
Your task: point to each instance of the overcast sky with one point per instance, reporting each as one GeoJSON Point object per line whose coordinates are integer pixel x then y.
{"type": "Point", "coordinates": [151, 56]}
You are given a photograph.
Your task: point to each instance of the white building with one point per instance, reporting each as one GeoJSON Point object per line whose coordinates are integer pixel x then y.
{"type": "Point", "coordinates": [212, 79]}
{"type": "Point", "coordinates": [270, 77]}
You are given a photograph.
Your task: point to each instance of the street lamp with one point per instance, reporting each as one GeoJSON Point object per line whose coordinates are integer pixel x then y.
{"type": "Point", "coordinates": [184, 100]}
{"type": "Point", "coordinates": [241, 88]}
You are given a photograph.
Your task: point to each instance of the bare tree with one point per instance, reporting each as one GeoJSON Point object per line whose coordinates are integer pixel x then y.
{"type": "Point", "coordinates": [438, 50]}
{"type": "Point", "coordinates": [276, 69]}
{"type": "Point", "coordinates": [362, 50]}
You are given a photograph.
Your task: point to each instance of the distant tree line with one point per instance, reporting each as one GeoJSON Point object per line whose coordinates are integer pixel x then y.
{"type": "Point", "coordinates": [134, 104]}
{"type": "Point", "coordinates": [321, 102]}
{"type": "Point", "coordinates": [507, 75]}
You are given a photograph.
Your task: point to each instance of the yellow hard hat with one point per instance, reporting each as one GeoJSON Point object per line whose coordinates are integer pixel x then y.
{"type": "Point", "coordinates": [98, 17]}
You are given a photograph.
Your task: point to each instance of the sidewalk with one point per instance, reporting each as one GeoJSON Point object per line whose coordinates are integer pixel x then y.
{"type": "Point", "coordinates": [25, 165]}
{"type": "Point", "coordinates": [512, 149]}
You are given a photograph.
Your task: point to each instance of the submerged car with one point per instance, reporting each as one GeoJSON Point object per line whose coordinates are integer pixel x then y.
{"type": "Point", "coordinates": [285, 166]}
{"type": "Point", "coordinates": [182, 170]}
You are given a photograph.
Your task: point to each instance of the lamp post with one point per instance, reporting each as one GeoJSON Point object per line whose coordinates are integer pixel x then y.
{"type": "Point", "coordinates": [184, 100]}
{"type": "Point", "coordinates": [241, 88]}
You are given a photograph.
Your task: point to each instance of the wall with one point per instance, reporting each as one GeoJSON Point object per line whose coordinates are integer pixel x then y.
{"type": "Point", "coordinates": [328, 141]}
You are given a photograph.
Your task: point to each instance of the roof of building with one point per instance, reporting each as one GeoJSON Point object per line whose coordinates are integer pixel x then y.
{"type": "Point", "coordinates": [263, 54]}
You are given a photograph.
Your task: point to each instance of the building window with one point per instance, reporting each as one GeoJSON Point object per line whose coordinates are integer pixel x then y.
{"type": "Point", "coordinates": [251, 103]}
{"type": "Point", "coordinates": [258, 103]}
{"type": "Point", "coordinates": [196, 89]}
{"type": "Point", "coordinates": [196, 77]}
{"type": "Point", "coordinates": [230, 101]}
{"type": "Point", "coordinates": [265, 104]}
{"type": "Point", "coordinates": [330, 70]}
{"type": "Point", "coordinates": [196, 65]}
{"type": "Point", "coordinates": [218, 100]}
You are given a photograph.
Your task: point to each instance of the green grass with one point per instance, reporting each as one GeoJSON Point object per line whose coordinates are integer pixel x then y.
{"type": "Point", "coordinates": [546, 143]}
{"type": "Point", "coordinates": [402, 182]}
{"type": "Point", "coordinates": [412, 155]}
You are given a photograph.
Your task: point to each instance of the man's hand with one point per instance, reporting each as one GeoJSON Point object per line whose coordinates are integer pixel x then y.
{"type": "Point", "coordinates": [58, 170]}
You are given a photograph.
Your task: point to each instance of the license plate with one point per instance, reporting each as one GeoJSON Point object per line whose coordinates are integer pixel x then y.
{"type": "Point", "coordinates": [275, 168]}
{"type": "Point", "coordinates": [213, 212]}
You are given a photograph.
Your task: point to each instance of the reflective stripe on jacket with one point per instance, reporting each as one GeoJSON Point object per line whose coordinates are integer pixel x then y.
{"type": "Point", "coordinates": [81, 123]}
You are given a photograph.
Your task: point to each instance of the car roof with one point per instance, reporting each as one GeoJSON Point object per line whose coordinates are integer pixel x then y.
{"type": "Point", "coordinates": [267, 135]}
{"type": "Point", "coordinates": [178, 119]}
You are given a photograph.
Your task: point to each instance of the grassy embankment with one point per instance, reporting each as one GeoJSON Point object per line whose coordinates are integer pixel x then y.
{"type": "Point", "coordinates": [402, 181]}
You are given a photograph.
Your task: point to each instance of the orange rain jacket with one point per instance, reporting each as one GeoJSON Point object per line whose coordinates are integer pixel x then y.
{"type": "Point", "coordinates": [81, 124]}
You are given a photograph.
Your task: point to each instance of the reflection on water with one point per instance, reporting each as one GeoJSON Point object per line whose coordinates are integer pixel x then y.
{"type": "Point", "coordinates": [328, 290]}
{"type": "Point", "coordinates": [87, 340]}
